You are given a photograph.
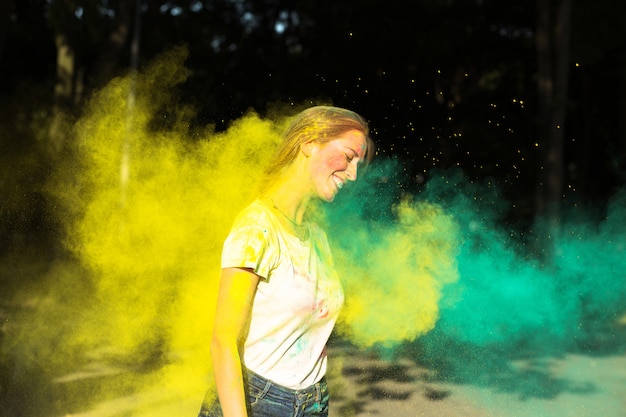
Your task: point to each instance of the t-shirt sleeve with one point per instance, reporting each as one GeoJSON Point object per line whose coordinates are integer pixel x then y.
{"type": "Point", "coordinates": [250, 246]}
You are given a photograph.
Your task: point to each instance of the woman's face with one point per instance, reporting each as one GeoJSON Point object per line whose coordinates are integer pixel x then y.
{"type": "Point", "coordinates": [334, 163]}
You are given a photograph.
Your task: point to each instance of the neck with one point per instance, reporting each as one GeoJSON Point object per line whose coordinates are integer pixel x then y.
{"type": "Point", "coordinates": [291, 193]}
{"type": "Point", "coordinates": [289, 203]}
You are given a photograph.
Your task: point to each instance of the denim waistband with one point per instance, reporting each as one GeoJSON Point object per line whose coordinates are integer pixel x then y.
{"type": "Point", "coordinates": [311, 392]}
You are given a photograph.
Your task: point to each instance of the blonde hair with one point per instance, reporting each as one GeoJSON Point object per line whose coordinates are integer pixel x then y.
{"type": "Point", "coordinates": [320, 124]}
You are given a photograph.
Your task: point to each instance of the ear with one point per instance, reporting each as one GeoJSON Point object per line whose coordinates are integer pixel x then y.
{"type": "Point", "coordinates": [307, 148]}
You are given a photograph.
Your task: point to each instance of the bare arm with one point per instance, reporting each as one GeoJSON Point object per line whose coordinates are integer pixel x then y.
{"type": "Point", "coordinates": [234, 303]}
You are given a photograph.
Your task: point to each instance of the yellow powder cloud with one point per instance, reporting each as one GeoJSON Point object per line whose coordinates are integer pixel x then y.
{"type": "Point", "coordinates": [147, 201]}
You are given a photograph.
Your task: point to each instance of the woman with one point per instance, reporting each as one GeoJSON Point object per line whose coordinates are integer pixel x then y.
{"type": "Point", "coordinates": [279, 296]}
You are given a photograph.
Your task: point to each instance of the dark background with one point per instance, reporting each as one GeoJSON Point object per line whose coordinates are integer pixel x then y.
{"type": "Point", "coordinates": [528, 95]}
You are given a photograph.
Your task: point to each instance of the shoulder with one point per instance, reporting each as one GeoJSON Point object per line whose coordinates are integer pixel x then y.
{"type": "Point", "coordinates": [252, 241]}
{"type": "Point", "coordinates": [318, 236]}
{"type": "Point", "coordinates": [255, 223]}
{"type": "Point", "coordinates": [317, 231]}
{"type": "Point", "coordinates": [255, 214]}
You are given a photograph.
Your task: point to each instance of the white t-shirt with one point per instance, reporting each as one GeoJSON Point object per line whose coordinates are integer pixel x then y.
{"type": "Point", "coordinates": [298, 297]}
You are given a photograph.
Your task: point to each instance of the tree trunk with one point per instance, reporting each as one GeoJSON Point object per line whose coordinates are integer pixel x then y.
{"type": "Point", "coordinates": [130, 119]}
{"type": "Point", "coordinates": [620, 154]}
{"type": "Point", "coordinates": [6, 9]}
{"type": "Point", "coordinates": [108, 60]}
{"type": "Point", "coordinates": [63, 90]}
{"type": "Point", "coordinates": [552, 42]}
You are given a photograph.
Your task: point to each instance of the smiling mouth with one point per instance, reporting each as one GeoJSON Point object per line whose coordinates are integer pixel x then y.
{"type": "Point", "coordinates": [338, 182]}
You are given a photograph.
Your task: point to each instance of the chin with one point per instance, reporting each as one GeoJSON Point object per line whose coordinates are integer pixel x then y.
{"type": "Point", "coordinates": [327, 194]}
{"type": "Point", "coordinates": [328, 198]}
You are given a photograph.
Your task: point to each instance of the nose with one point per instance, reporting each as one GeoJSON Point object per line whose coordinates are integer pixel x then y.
{"type": "Point", "coordinates": [351, 171]}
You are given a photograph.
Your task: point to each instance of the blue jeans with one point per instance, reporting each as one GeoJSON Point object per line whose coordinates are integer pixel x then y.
{"type": "Point", "coordinates": [267, 399]}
